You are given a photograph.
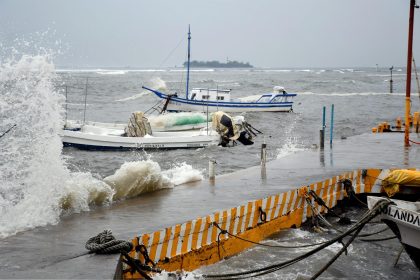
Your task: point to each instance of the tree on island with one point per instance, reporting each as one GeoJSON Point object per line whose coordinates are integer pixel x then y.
{"type": "Point", "coordinates": [217, 64]}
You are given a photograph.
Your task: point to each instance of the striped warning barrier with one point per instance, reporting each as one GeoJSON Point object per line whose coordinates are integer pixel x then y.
{"type": "Point", "coordinates": [200, 242]}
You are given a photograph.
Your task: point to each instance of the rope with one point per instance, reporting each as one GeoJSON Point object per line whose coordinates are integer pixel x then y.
{"type": "Point", "coordinates": [378, 239]}
{"type": "Point", "coordinates": [358, 200]}
{"type": "Point", "coordinates": [398, 256]}
{"type": "Point", "coordinates": [136, 265]}
{"type": "Point", "coordinates": [268, 269]}
{"type": "Point", "coordinates": [222, 231]}
{"type": "Point", "coordinates": [342, 250]}
{"type": "Point", "coordinates": [105, 243]}
{"type": "Point", "coordinates": [418, 143]}
{"type": "Point", "coordinates": [7, 131]}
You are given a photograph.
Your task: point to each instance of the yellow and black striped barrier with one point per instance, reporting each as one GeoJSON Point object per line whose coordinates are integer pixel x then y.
{"type": "Point", "coordinates": [206, 240]}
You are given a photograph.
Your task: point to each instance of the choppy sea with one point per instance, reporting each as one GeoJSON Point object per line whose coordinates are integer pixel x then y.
{"type": "Point", "coordinates": [42, 183]}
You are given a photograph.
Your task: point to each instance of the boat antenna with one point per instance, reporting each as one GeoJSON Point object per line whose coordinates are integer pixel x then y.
{"type": "Point", "coordinates": [408, 80]}
{"type": "Point", "coordinates": [86, 93]}
{"type": "Point", "coordinates": [188, 61]}
{"type": "Point", "coordinates": [417, 77]}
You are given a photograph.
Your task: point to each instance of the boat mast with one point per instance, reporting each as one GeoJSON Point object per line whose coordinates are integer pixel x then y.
{"type": "Point", "coordinates": [408, 82]}
{"type": "Point", "coordinates": [188, 62]}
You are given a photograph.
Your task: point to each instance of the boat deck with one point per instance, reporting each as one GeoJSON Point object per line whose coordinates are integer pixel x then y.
{"type": "Point", "coordinates": [55, 254]}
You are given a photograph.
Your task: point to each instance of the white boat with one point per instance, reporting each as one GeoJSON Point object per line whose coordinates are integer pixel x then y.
{"type": "Point", "coordinates": [163, 122]}
{"type": "Point", "coordinates": [212, 100]}
{"type": "Point", "coordinates": [103, 137]}
{"type": "Point", "coordinates": [403, 218]}
{"type": "Point", "coordinates": [138, 134]}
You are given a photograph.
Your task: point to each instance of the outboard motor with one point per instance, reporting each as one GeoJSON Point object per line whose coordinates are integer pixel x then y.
{"type": "Point", "coordinates": [231, 130]}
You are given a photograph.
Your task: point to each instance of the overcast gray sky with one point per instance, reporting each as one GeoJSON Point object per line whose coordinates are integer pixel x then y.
{"type": "Point", "coordinates": [266, 33]}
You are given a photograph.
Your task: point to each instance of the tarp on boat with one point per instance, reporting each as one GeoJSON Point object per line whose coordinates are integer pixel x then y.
{"type": "Point", "coordinates": [391, 183]}
{"type": "Point", "coordinates": [225, 126]}
{"type": "Point", "coordinates": [138, 125]}
{"type": "Point", "coordinates": [229, 130]}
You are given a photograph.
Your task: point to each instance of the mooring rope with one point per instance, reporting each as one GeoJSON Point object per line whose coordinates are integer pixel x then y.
{"type": "Point", "coordinates": [223, 231]}
{"type": "Point", "coordinates": [414, 142]}
{"type": "Point", "coordinates": [105, 243]}
{"type": "Point", "coordinates": [7, 131]}
{"type": "Point", "coordinates": [354, 230]}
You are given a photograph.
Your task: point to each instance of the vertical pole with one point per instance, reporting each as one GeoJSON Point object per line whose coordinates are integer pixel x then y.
{"type": "Point", "coordinates": [207, 118]}
{"type": "Point", "coordinates": [391, 81]}
{"type": "Point", "coordinates": [332, 124]}
{"type": "Point", "coordinates": [321, 139]}
{"type": "Point", "coordinates": [417, 77]}
{"type": "Point", "coordinates": [188, 62]}
{"type": "Point", "coordinates": [263, 160]}
{"type": "Point", "coordinates": [212, 173]}
{"type": "Point", "coordinates": [84, 111]}
{"type": "Point", "coordinates": [408, 83]}
{"type": "Point", "coordinates": [217, 96]}
{"type": "Point", "coordinates": [322, 131]}
{"type": "Point", "coordinates": [65, 121]}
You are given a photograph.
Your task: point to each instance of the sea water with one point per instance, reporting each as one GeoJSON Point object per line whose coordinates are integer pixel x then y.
{"type": "Point", "coordinates": [42, 184]}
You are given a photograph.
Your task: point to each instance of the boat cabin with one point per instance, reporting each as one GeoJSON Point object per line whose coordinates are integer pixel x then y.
{"type": "Point", "coordinates": [206, 94]}
{"type": "Point", "coordinates": [278, 95]}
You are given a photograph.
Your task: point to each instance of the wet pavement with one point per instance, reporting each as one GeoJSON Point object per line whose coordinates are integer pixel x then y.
{"type": "Point", "coordinates": [58, 251]}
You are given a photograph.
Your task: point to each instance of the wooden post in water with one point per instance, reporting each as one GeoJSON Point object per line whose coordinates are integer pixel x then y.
{"type": "Point", "coordinates": [332, 124]}
{"type": "Point", "coordinates": [65, 121]}
{"type": "Point", "coordinates": [391, 81]}
{"type": "Point", "coordinates": [408, 82]}
{"type": "Point", "coordinates": [322, 131]}
{"type": "Point", "coordinates": [263, 160]}
{"type": "Point", "coordinates": [212, 172]}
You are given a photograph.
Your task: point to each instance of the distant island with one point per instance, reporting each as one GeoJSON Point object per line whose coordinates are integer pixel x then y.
{"type": "Point", "coordinates": [217, 64]}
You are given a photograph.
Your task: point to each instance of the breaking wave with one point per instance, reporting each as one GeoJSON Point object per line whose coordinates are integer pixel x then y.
{"type": "Point", "coordinates": [36, 185]}
{"type": "Point", "coordinates": [156, 83]}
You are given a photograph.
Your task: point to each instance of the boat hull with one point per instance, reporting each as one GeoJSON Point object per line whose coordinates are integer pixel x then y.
{"type": "Point", "coordinates": [201, 106]}
{"type": "Point", "coordinates": [170, 141]}
{"type": "Point", "coordinates": [403, 219]}
{"type": "Point", "coordinates": [177, 104]}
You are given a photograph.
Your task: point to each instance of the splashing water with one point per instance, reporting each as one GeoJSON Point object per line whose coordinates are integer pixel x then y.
{"type": "Point", "coordinates": [288, 148]}
{"type": "Point", "coordinates": [156, 83]}
{"type": "Point", "coordinates": [36, 186]}
{"type": "Point", "coordinates": [34, 180]}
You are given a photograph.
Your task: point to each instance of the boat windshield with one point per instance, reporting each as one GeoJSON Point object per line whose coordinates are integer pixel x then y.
{"type": "Point", "coordinates": [280, 98]}
{"type": "Point", "coordinates": [264, 99]}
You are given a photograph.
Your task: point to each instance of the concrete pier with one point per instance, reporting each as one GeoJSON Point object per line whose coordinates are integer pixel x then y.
{"type": "Point", "coordinates": [56, 252]}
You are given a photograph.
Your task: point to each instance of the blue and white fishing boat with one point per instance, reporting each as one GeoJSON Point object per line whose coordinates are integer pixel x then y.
{"type": "Point", "coordinates": [212, 100]}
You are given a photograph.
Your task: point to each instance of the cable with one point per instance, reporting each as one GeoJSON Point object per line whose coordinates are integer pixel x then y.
{"type": "Point", "coordinates": [268, 269]}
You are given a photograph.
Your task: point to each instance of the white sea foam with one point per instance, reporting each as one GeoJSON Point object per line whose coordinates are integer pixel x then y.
{"type": "Point", "coordinates": [184, 275]}
{"type": "Point", "coordinates": [183, 173]}
{"type": "Point", "coordinates": [112, 72]}
{"type": "Point", "coordinates": [343, 94]}
{"type": "Point", "coordinates": [36, 186]}
{"type": "Point", "coordinates": [155, 83]}
{"type": "Point", "coordinates": [192, 70]}
{"type": "Point", "coordinates": [290, 147]}
{"type": "Point", "coordinates": [135, 178]}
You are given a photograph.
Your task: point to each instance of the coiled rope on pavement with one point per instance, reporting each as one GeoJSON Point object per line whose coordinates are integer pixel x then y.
{"type": "Point", "coordinates": [105, 243]}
